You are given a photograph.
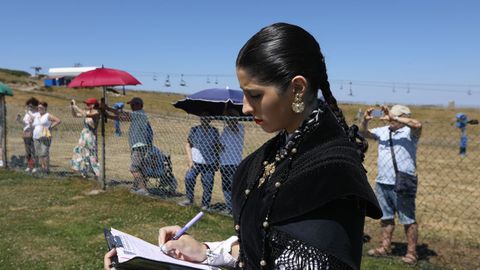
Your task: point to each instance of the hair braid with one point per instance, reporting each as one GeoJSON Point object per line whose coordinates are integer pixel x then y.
{"type": "Point", "coordinates": [351, 132]}
{"type": "Point", "coordinates": [332, 103]}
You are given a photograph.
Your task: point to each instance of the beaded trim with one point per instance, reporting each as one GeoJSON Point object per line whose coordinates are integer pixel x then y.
{"type": "Point", "coordinates": [287, 152]}
{"type": "Point", "coordinates": [308, 125]}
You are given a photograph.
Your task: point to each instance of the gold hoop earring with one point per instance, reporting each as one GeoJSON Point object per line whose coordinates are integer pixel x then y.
{"type": "Point", "coordinates": [298, 106]}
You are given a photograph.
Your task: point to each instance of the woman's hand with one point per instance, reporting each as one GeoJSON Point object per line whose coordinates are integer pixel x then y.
{"type": "Point", "coordinates": [185, 248]}
{"type": "Point", "coordinates": [107, 260]}
{"type": "Point", "coordinates": [367, 115]}
{"type": "Point", "coordinates": [387, 116]}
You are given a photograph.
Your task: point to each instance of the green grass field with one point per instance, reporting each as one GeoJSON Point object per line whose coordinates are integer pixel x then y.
{"type": "Point", "coordinates": [54, 223]}
{"type": "Point", "coordinates": [50, 223]}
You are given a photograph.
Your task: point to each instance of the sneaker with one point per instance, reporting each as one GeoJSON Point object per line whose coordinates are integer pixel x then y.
{"type": "Point", "coordinates": [140, 191]}
{"type": "Point", "coordinates": [35, 170]}
{"type": "Point", "coordinates": [172, 193]}
{"type": "Point", "coordinates": [1, 163]}
{"type": "Point", "coordinates": [186, 202]}
{"type": "Point", "coordinates": [28, 170]}
{"type": "Point", "coordinates": [176, 194]}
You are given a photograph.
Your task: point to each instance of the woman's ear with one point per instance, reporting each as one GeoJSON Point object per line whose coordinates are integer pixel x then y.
{"type": "Point", "coordinates": [299, 85]}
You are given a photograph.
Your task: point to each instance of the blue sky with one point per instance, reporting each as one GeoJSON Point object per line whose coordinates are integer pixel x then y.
{"type": "Point", "coordinates": [422, 52]}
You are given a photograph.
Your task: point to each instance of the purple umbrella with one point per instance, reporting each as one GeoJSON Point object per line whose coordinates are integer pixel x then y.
{"type": "Point", "coordinates": [212, 102]}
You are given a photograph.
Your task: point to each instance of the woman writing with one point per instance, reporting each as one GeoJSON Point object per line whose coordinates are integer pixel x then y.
{"type": "Point", "coordinates": [300, 200]}
{"type": "Point", "coordinates": [85, 157]}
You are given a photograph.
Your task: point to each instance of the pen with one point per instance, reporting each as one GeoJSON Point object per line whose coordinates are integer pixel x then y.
{"type": "Point", "coordinates": [184, 229]}
{"type": "Point", "coordinates": [188, 225]}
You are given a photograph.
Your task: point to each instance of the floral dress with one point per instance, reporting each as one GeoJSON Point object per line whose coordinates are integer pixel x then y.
{"type": "Point", "coordinates": [85, 158]}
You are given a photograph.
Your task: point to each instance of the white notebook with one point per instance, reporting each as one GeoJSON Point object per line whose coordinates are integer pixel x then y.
{"type": "Point", "coordinates": [135, 253]}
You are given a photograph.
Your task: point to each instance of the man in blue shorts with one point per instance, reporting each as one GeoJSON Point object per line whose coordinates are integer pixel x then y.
{"type": "Point", "coordinates": [402, 133]}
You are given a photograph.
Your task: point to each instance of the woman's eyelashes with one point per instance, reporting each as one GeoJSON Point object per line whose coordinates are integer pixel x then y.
{"type": "Point", "coordinates": [255, 95]}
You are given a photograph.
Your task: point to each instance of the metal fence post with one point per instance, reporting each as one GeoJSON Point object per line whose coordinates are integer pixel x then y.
{"type": "Point", "coordinates": [3, 107]}
{"type": "Point", "coordinates": [103, 163]}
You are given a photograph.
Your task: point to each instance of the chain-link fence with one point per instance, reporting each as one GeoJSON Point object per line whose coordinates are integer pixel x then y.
{"type": "Point", "coordinates": [448, 197]}
{"type": "Point", "coordinates": [175, 157]}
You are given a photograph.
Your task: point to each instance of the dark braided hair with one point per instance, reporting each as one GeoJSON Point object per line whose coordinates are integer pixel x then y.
{"type": "Point", "coordinates": [281, 51]}
{"type": "Point", "coordinates": [352, 131]}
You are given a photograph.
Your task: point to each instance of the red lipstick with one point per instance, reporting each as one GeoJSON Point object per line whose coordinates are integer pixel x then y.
{"type": "Point", "coordinates": [258, 121]}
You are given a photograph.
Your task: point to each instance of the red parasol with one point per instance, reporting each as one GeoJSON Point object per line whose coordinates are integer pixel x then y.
{"type": "Point", "coordinates": [103, 77]}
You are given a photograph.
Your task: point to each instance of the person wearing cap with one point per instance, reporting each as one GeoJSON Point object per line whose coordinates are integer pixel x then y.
{"type": "Point", "coordinates": [140, 140]}
{"type": "Point", "coordinates": [404, 132]}
{"type": "Point", "coordinates": [85, 154]}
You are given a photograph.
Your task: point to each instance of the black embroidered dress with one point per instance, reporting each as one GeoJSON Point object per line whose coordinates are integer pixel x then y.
{"type": "Point", "coordinates": [310, 212]}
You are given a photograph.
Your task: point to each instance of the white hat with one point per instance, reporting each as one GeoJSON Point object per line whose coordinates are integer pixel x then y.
{"type": "Point", "coordinates": [398, 110]}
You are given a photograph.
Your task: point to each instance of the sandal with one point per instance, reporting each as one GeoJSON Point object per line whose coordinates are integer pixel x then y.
{"type": "Point", "coordinates": [410, 259]}
{"type": "Point", "coordinates": [378, 252]}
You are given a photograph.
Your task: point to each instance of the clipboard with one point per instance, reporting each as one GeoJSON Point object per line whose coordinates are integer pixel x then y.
{"type": "Point", "coordinates": [143, 261]}
{"type": "Point", "coordinates": [111, 243]}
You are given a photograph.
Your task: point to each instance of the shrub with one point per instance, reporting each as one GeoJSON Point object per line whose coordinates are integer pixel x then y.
{"type": "Point", "coordinates": [18, 73]}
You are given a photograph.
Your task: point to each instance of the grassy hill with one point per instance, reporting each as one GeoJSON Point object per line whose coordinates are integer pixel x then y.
{"type": "Point", "coordinates": [25, 86]}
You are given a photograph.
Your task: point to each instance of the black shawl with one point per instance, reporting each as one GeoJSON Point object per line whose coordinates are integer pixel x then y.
{"type": "Point", "coordinates": [327, 167]}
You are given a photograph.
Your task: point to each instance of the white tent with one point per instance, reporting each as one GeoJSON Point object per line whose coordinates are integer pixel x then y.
{"type": "Point", "coordinates": [67, 71]}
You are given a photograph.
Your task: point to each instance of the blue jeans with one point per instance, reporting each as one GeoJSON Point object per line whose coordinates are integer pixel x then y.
{"type": "Point", "coordinates": [227, 172]}
{"type": "Point", "coordinates": [391, 202]}
{"type": "Point", "coordinates": [207, 171]}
